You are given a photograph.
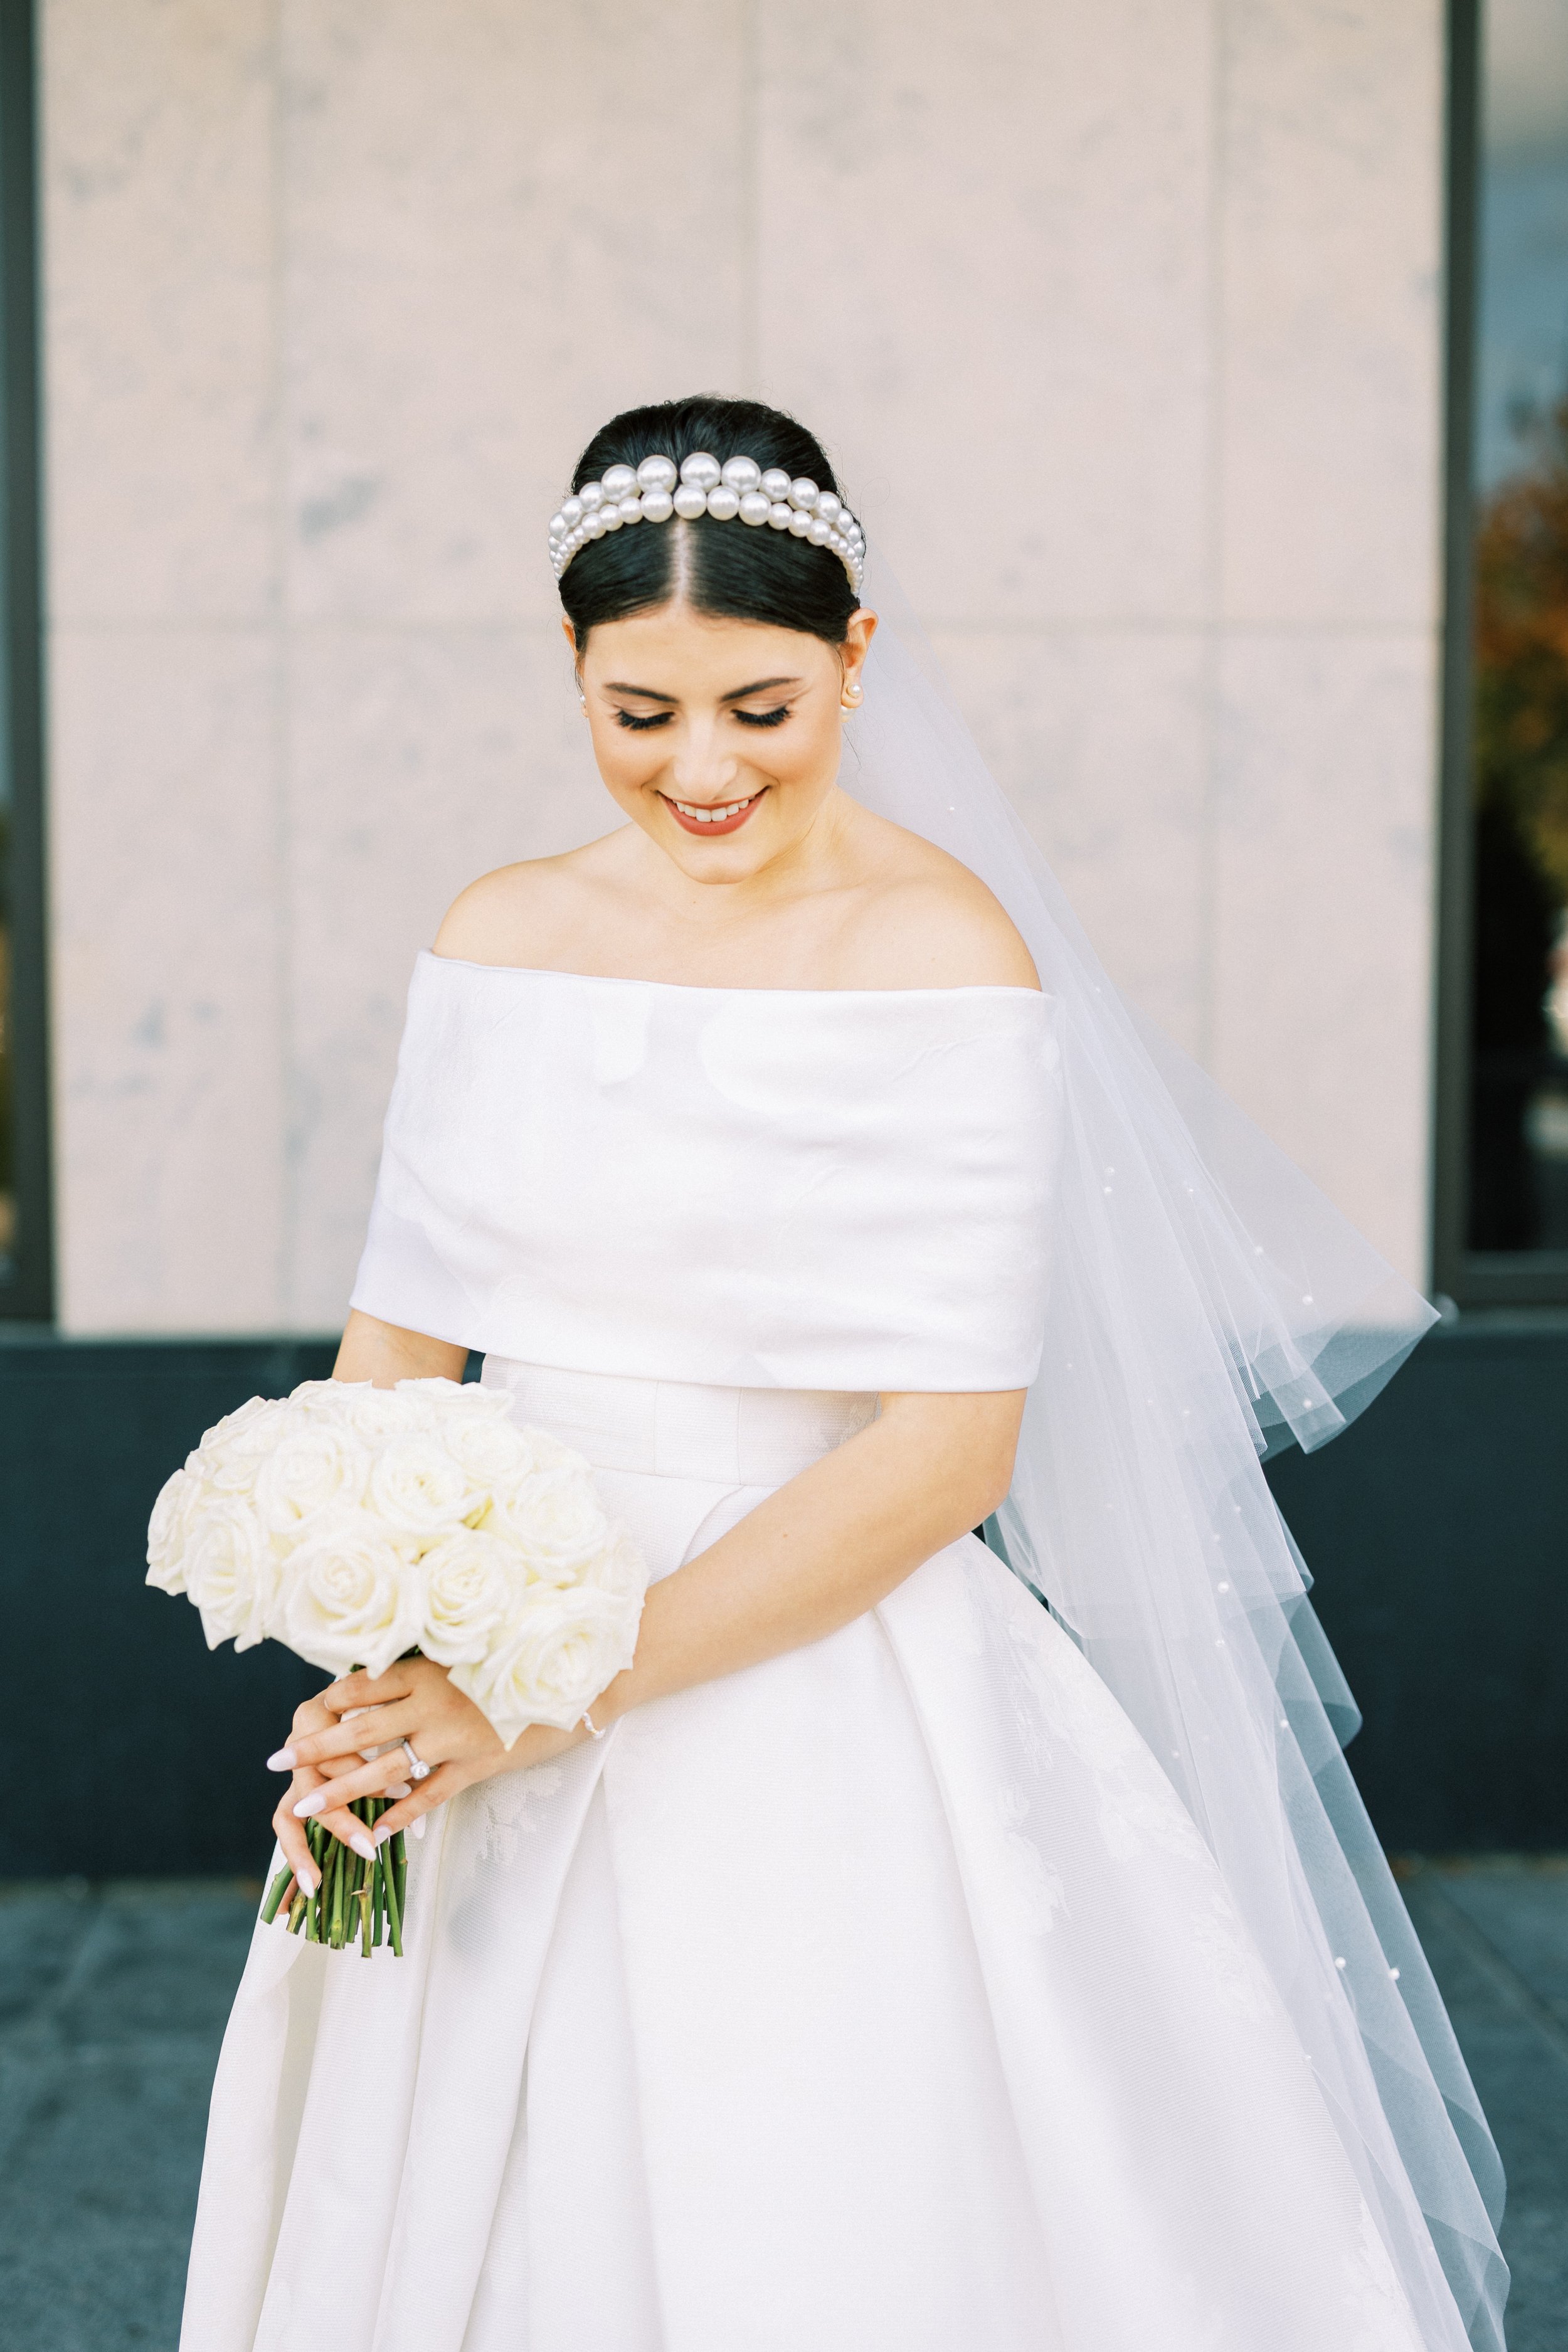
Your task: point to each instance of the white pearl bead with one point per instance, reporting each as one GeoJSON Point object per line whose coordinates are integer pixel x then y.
{"type": "Point", "coordinates": [755, 508]}
{"type": "Point", "coordinates": [657, 474]}
{"type": "Point", "coordinates": [779, 515]}
{"type": "Point", "coordinates": [722, 504]}
{"type": "Point", "coordinates": [619, 482]}
{"type": "Point", "coordinates": [742, 474]}
{"type": "Point", "coordinates": [572, 510]}
{"type": "Point", "coordinates": [799, 522]}
{"type": "Point", "coordinates": [701, 470]}
{"type": "Point", "coordinates": [803, 493]}
{"type": "Point", "coordinates": [776, 481]}
{"type": "Point", "coordinates": [658, 506]}
{"type": "Point", "coordinates": [830, 505]}
{"type": "Point", "coordinates": [595, 526]}
{"type": "Point", "coordinates": [631, 509]}
{"type": "Point", "coordinates": [691, 500]}
{"type": "Point", "coordinates": [819, 531]}
{"type": "Point", "coordinates": [610, 517]}
{"type": "Point", "coordinates": [592, 495]}
{"type": "Point", "coordinates": [558, 525]}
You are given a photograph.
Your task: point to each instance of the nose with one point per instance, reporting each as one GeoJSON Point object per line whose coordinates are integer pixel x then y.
{"type": "Point", "coordinates": [701, 769]}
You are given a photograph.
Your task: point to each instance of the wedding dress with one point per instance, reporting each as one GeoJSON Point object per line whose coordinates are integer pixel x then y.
{"type": "Point", "coordinates": [984, 1975]}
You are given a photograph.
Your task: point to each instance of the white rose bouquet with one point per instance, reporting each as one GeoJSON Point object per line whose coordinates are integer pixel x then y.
{"type": "Point", "coordinates": [357, 1524]}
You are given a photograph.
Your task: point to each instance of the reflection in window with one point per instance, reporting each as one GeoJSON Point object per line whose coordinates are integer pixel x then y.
{"type": "Point", "coordinates": [1519, 1092]}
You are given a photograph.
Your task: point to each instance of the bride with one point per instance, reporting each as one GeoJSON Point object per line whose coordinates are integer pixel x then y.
{"type": "Point", "coordinates": [887, 1962]}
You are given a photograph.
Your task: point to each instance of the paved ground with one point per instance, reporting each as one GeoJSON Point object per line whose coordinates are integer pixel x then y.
{"type": "Point", "coordinates": [112, 2001]}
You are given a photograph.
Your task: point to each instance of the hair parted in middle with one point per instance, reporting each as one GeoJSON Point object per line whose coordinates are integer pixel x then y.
{"type": "Point", "coordinates": [729, 571]}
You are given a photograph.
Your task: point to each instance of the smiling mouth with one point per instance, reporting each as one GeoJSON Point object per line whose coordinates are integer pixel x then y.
{"type": "Point", "coordinates": [726, 817]}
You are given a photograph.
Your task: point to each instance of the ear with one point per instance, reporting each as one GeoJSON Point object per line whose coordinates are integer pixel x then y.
{"type": "Point", "coordinates": [857, 641]}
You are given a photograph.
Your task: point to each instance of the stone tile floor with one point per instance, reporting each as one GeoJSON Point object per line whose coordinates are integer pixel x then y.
{"type": "Point", "coordinates": [112, 2001]}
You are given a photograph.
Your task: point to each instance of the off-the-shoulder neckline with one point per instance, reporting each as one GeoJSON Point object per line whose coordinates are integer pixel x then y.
{"type": "Point", "coordinates": [689, 988]}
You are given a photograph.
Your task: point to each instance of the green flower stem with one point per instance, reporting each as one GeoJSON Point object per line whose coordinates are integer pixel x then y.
{"type": "Point", "coordinates": [335, 1913]}
{"type": "Point", "coordinates": [297, 1911]}
{"type": "Point", "coordinates": [363, 1899]}
{"type": "Point", "coordinates": [394, 1899]}
{"type": "Point", "coordinates": [275, 1895]}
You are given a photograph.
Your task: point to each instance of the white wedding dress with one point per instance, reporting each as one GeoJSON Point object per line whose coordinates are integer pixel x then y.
{"type": "Point", "coordinates": [883, 1998]}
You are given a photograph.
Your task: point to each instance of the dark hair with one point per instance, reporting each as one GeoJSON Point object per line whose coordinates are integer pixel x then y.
{"type": "Point", "coordinates": [727, 568]}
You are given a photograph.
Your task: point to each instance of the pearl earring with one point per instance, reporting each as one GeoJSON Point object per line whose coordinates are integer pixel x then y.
{"type": "Point", "coordinates": [850, 698]}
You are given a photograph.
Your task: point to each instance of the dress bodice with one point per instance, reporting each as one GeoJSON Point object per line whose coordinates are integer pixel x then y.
{"type": "Point", "coordinates": [744, 1187]}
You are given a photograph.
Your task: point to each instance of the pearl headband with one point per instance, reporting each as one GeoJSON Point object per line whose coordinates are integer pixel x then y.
{"type": "Point", "coordinates": [655, 491]}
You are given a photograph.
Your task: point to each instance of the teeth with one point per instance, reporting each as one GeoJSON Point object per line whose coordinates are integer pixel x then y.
{"type": "Point", "coordinates": [710, 816]}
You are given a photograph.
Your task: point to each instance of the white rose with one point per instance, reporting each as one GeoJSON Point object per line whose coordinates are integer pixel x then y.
{"type": "Point", "coordinates": [415, 1485]}
{"type": "Point", "coordinates": [619, 1569]}
{"type": "Point", "coordinates": [557, 1522]}
{"type": "Point", "coordinates": [231, 1571]}
{"type": "Point", "coordinates": [168, 1530]}
{"type": "Point", "coordinates": [557, 1653]}
{"type": "Point", "coordinates": [351, 1598]}
{"type": "Point", "coordinates": [471, 1584]}
{"type": "Point", "coordinates": [231, 1453]}
{"type": "Point", "coordinates": [311, 1469]}
{"type": "Point", "coordinates": [494, 1453]}
{"type": "Point", "coordinates": [372, 1414]}
{"type": "Point", "coordinates": [437, 1392]}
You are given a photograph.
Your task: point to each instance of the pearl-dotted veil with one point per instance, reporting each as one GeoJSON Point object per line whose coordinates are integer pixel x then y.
{"type": "Point", "coordinates": [1208, 1303]}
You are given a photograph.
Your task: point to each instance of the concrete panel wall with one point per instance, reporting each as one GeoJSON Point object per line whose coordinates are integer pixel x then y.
{"type": "Point", "coordinates": [335, 291]}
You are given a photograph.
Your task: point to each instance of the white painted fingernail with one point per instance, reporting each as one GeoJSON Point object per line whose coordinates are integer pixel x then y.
{"type": "Point", "coordinates": [418, 1825]}
{"type": "Point", "coordinates": [362, 1844]}
{"type": "Point", "coordinates": [310, 1804]}
{"type": "Point", "coordinates": [283, 1761]}
{"type": "Point", "coordinates": [308, 1881]}
{"type": "Point", "coordinates": [399, 1789]}
{"type": "Point", "coordinates": [382, 1831]}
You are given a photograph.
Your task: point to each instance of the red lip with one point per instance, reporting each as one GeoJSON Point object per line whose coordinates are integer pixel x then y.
{"type": "Point", "coordinates": [711, 832]}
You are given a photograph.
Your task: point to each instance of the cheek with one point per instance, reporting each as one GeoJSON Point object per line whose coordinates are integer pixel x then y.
{"type": "Point", "coordinates": [626, 759]}
{"type": "Point", "coordinates": [803, 752]}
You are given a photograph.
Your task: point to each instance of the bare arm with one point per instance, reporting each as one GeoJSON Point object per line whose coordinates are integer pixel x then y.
{"type": "Point", "coordinates": [384, 1354]}
{"type": "Point", "coordinates": [828, 1546]}
{"type": "Point", "coordinates": [821, 1550]}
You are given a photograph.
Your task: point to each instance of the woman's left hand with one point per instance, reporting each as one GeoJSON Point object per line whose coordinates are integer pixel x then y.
{"type": "Point", "coordinates": [415, 1701]}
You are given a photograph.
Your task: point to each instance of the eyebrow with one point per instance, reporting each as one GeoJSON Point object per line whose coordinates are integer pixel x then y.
{"type": "Point", "coordinates": [740, 694]}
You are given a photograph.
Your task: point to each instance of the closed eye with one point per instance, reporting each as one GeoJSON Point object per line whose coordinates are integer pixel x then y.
{"type": "Point", "coordinates": [639, 726]}
{"type": "Point", "coordinates": [763, 718]}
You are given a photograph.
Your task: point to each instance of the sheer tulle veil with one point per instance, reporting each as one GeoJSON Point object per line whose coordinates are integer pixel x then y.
{"type": "Point", "coordinates": [1206, 1302]}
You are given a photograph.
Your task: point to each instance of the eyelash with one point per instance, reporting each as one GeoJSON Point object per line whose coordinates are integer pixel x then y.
{"type": "Point", "coordinates": [662, 718]}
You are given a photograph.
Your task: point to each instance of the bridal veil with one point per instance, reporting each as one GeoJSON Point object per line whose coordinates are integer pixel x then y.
{"type": "Point", "coordinates": [1206, 1302]}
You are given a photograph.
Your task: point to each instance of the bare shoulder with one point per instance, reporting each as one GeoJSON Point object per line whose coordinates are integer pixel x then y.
{"type": "Point", "coordinates": [933, 923]}
{"type": "Point", "coordinates": [520, 915]}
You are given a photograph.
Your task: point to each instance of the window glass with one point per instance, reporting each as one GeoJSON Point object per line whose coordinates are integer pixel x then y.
{"type": "Point", "coordinates": [1518, 1188]}
{"type": "Point", "coordinates": [7, 1091]}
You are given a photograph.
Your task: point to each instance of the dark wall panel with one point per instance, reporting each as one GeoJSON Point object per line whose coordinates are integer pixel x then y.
{"type": "Point", "coordinates": [1437, 1529]}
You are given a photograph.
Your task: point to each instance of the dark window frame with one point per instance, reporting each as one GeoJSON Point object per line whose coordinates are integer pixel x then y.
{"type": "Point", "coordinates": [1471, 1279]}
{"type": "Point", "coordinates": [28, 1292]}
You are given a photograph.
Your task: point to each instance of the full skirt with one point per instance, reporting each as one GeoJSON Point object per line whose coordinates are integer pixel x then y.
{"type": "Point", "coordinates": [883, 1998]}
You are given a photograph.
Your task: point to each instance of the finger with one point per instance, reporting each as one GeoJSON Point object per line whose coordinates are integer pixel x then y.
{"type": "Point", "coordinates": [348, 1830]}
{"type": "Point", "coordinates": [295, 1847]}
{"type": "Point", "coordinates": [408, 1813]}
{"type": "Point", "coordinates": [362, 1690]}
{"type": "Point", "coordinates": [387, 1727]}
{"type": "Point", "coordinates": [335, 1795]}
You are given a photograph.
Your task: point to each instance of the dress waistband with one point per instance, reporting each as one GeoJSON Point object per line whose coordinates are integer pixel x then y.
{"type": "Point", "coordinates": [675, 1429]}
